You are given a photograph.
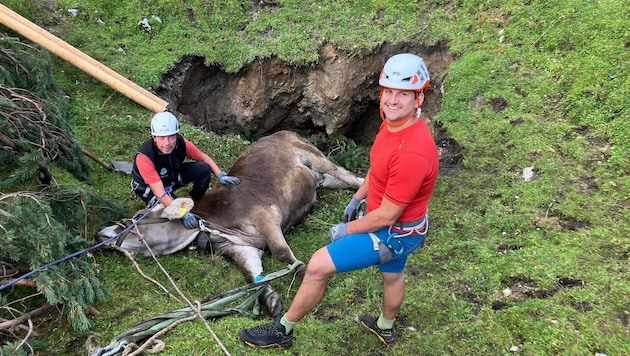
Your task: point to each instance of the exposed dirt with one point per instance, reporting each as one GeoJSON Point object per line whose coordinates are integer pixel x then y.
{"type": "Point", "coordinates": [338, 95]}
{"type": "Point", "coordinates": [521, 288]}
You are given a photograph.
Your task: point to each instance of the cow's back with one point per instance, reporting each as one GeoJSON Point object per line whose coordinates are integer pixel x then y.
{"type": "Point", "coordinates": [272, 177]}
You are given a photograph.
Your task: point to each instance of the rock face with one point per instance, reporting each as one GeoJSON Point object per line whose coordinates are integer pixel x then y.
{"type": "Point", "coordinates": [338, 95]}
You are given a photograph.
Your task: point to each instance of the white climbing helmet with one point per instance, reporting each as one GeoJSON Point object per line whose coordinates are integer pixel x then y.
{"type": "Point", "coordinates": [164, 124]}
{"type": "Point", "coordinates": [405, 71]}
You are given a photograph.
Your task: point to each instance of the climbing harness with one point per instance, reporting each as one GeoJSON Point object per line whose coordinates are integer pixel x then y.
{"type": "Point", "coordinates": [400, 230]}
{"type": "Point", "coordinates": [144, 190]}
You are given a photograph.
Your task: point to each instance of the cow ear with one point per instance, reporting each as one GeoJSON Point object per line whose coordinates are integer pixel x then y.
{"type": "Point", "coordinates": [178, 208]}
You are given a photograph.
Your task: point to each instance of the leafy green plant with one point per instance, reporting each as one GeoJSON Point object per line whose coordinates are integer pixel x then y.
{"type": "Point", "coordinates": [344, 152]}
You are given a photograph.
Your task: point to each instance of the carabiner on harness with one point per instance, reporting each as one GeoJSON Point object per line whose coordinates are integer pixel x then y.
{"type": "Point", "coordinates": [394, 241]}
{"type": "Point", "coordinates": [361, 209]}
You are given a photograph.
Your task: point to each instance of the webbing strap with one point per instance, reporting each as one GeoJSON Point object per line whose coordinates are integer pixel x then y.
{"type": "Point", "coordinates": [214, 306]}
{"type": "Point", "coordinates": [375, 240]}
{"type": "Point", "coordinates": [411, 226]}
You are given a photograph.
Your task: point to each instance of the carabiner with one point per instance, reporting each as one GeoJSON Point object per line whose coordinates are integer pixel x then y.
{"type": "Point", "coordinates": [114, 351]}
{"type": "Point", "coordinates": [399, 249]}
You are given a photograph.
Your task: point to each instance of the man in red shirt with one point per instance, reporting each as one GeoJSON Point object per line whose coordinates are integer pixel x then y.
{"type": "Point", "coordinates": [404, 166]}
{"type": "Point", "coordinates": [159, 167]}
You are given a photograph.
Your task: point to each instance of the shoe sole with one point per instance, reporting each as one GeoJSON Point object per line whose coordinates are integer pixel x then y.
{"type": "Point", "coordinates": [378, 335]}
{"type": "Point", "coordinates": [270, 346]}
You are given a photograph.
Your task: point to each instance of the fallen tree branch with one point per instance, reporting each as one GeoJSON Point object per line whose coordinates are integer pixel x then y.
{"type": "Point", "coordinates": [105, 165]}
{"type": "Point", "coordinates": [21, 327]}
{"type": "Point", "coordinates": [7, 325]}
{"type": "Point", "coordinates": [93, 311]}
{"type": "Point", "coordinates": [24, 282]}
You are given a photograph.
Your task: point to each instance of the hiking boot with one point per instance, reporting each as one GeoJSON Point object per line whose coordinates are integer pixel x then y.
{"type": "Point", "coordinates": [387, 337]}
{"type": "Point", "coordinates": [268, 336]}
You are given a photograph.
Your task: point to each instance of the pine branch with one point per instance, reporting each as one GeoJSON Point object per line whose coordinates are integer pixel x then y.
{"type": "Point", "coordinates": [23, 282]}
{"type": "Point", "coordinates": [21, 326]}
{"type": "Point", "coordinates": [44, 309]}
{"type": "Point", "coordinates": [32, 114]}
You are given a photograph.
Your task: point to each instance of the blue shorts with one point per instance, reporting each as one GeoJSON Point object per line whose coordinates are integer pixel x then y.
{"type": "Point", "coordinates": [357, 251]}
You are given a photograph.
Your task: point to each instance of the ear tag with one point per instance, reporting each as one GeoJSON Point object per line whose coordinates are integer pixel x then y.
{"type": "Point", "coordinates": [182, 211]}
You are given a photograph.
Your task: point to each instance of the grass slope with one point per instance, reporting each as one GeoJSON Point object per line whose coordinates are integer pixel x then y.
{"type": "Point", "coordinates": [541, 265]}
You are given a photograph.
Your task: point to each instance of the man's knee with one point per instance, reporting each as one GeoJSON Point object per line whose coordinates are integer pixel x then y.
{"type": "Point", "coordinates": [393, 279]}
{"type": "Point", "coordinates": [202, 169]}
{"type": "Point", "coordinates": [320, 264]}
{"type": "Point", "coordinates": [195, 171]}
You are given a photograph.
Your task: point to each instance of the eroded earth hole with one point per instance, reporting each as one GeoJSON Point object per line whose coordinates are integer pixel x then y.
{"type": "Point", "coordinates": [521, 288]}
{"type": "Point", "coordinates": [338, 95]}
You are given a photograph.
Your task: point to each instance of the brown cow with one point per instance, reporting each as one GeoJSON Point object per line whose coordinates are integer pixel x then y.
{"type": "Point", "coordinates": [279, 177]}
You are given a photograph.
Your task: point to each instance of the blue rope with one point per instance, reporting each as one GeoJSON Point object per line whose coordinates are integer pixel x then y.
{"type": "Point", "coordinates": [41, 268]}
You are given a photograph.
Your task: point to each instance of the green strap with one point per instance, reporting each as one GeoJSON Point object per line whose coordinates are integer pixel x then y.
{"type": "Point", "coordinates": [212, 307]}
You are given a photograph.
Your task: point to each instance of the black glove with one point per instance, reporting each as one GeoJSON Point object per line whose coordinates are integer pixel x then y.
{"type": "Point", "coordinates": [190, 221]}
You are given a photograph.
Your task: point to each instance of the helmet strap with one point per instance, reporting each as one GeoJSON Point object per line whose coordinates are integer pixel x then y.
{"type": "Point", "coordinates": [380, 96]}
{"type": "Point", "coordinates": [398, 124]}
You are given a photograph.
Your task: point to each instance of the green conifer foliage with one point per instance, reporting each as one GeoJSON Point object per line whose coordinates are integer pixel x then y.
{"type": "Point", "coordinates": [43, 227]}
{"type": "Point", "coordinates": [33, 117]}
{"type": "Point", "coordinates": [40, 228]}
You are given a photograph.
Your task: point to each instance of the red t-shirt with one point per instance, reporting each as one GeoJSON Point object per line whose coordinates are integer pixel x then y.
{"type": "Point", "coordinates": [404, 167]}
{"type": "Point", "coordinates": [147, 169]}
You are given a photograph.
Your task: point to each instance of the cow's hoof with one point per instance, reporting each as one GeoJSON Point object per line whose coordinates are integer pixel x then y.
{"type": "Point", "coordinates": [300, 272]}
{"type": "Point", "coordinates": [272, 301]}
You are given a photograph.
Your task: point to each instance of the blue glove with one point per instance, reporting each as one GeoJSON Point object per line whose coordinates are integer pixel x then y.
{"type": "Point", "coordinates": [190, 221]}
{"type": "Point", "coordinates": [351, 210]}
{"type": "Point", "coordinates": [228, 180]}
{"type": "Point", "coordinates": [338, 231]}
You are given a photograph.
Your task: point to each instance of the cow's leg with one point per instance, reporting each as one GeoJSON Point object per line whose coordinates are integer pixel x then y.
{"type": "Point", "coordinates": [332, 175]}
{"type": "Point", "coordinates": [278, 246]}
{"type": "Point", "coordinates": [339, 179]}
{"type": "Point", "coordinates": [249, 260]}
{"type": "Point", "coordinates": [276, 242]}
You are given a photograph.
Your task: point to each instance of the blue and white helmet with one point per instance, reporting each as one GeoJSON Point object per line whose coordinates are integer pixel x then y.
{"type": "Point", "coordinates": [164, 124]}
{"type": "Point", "coordinates": [405, 71]}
